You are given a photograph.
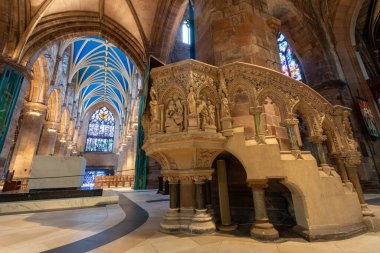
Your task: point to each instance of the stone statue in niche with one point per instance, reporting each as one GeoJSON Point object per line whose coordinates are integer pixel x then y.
{"type": "Point", "coordinates": [206, 112]}
{"type": "Point", "coordinates": [203, 113]}
{"type": "Point", "coordinates": [174, 116]}
{"type": "Point", "coordinates": [153, 104]}
{"type": "Point", "coordinates": [211, 113]}
{"type": "Point", "coordinates": [191, 102]}
{"type": "Point", "coordinates": [224, 110]}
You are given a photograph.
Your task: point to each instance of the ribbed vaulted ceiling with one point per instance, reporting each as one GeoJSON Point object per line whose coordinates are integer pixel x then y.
{"type": "Point", "coordinates": [104, 73]}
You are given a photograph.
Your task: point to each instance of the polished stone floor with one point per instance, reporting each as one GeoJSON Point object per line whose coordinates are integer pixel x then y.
{"type": "Point", "coordinates": [132, 227]}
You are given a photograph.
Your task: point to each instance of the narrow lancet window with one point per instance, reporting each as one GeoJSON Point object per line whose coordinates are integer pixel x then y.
{"type": "Point", "coordinates": [290, 64]}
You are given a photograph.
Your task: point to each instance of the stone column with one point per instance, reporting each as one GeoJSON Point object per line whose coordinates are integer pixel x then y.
{"type": "Point", "coordinates": [352, 162]}
{"type": "Point", "coordinates": [230, 31]}
{"type": "Point", "coordinates": [171, 220]}
{"type": "Point", "coordinates": [262, 229]}
{"type": "Point", "coordinates": [210, 210]}
{"type": "Point", "coordinates": [289, 124]}
{"type": "Point", "coordinates": [339, 159]}
{"type": "Point", "coordinates": [202, 221]}
{"type": "Point", "coordinates": [48, 139]}
{"type": "Point", "coordinates": [317, 142]}
{"type": "Point", "coordinates": [259, 136]}
{"type": "Point", "coordinates": [162, 118]}
{"type": "Point", "coordinates": [224, 202]}
{"type": "Point", "coordinates": [29, 135]}
{"type": "Point", "coordinates": [60, 145]}
{"type": "Point", "coordinates": [187, 203]}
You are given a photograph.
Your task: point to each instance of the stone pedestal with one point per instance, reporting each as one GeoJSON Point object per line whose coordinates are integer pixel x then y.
{"type": "Point", "coordinates": [193, 123]}
{"type": "Point", "coordinates": [227, 126]}
{"type": "Point", "coordinates": [210, 129]}
{"type": "Point", "coordinates": [170, 223]}
{"type": "Point", "coordinates": [262, 229]}
{"type": "Point", "coordinates": [202, 221]}
{"type": "Point", "coordinates": [186, 202]}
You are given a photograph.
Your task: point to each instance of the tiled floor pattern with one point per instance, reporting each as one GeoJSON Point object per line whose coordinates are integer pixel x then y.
{"type": "Point", "coordinates": [42, 231]}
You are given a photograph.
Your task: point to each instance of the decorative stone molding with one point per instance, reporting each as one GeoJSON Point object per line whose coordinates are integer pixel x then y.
{"type": "Point", "coordinates": [274, 24]}
{"type": "Point", "coordinates": [317, 138]}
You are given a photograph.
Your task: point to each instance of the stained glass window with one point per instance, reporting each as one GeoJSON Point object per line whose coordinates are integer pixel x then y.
{"type": "Point", "coordinates": [289, 63]}
{"type": "Point", "coordinates": [101, 130]}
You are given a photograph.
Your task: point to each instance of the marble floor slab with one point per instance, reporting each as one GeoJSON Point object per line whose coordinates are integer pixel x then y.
{"type": "Point", "coordinates": [54, 231]}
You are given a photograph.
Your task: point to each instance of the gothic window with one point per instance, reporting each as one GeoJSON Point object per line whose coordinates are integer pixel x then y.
{"type": "Point", "coordinates": [290, 65]}
{"type": "Point", "coordinates": [101, 130]}
{"type": "Point", "coordinates": [186, 32]}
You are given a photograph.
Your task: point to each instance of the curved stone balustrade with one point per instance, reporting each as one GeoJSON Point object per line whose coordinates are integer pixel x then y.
{"type": "Point", "coordinates": [197, 111]}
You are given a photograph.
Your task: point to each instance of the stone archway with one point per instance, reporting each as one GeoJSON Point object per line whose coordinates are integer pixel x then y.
{"type": "Point", "coordinates": [76, 24]}
{"type": "Point", "coordinates": [239, 198]}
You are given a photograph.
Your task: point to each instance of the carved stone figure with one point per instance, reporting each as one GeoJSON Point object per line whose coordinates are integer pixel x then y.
{"type": "Point", "coordinates": [154, 111]}
{"type": "Point", "coordinates": [153, 105]}
{"type": "Point", "coordinates": [174, 115]}
{"type": "Point", "coordinates": [169, 122]}
{"type": "Point", "coordinates": [191, 102]}
{"type": "Point", "coordinates": [203, 113]}
{"type": "Point", "coordinates": [225, 110]}
{"type": "Point", "coordinates": [211, 113]}
{"type": "Point", "coordinates": [178, 115]}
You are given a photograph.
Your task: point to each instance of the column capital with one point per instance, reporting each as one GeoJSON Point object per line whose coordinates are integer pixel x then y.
{"type": "Point", "coordinates": [52, 125]}
{"type": "Point", "coordinates": [186, 179]}
{"type": "Point", "coordinates": [258, 184]}
{"type": "Point", "coordinates": [173, 179]}
{"type": "Point", "coordinates": [289, 122]}
{"type": "Point", "coordinates": [200, 179]}
{"type": "Point", "coordinates": [256, 110]}
{"type": "Point", "coordinates": [338, 155]}
{"type": "Point", "coordinates": [353, 159]}
{"type": "Point", "coordinates": [34, 108]}
{"type": "Point", "coordinates": [317, 138]}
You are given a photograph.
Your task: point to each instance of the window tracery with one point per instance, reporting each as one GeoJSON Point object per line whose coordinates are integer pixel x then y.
{"type": "Point", "coordinates": [101, 131]}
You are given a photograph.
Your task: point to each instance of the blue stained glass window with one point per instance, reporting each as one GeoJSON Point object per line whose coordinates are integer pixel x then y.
{"type": "Point", "coordinates": [101, 131]}
{"type": "Point", "coordinates": [290, 65]}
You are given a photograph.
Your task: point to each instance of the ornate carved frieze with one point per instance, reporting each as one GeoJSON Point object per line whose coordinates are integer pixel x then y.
{"type": "Point", "coordinates": [191, 97]}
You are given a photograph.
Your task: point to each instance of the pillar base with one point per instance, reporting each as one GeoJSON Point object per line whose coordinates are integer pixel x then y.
{"type": "Point", "coordinates": [264, 231]}
{"type": "Point", "coordinates": [186, 216]}
{"type": "Point", "coordinates": [202, 223]}
{"type": "Point", "coordinates": [211, 212]}
{"type": "Point", "coordinates": [170, 222]}
{"type": "Point", "coordinates": [227, 228]}
{"type": "Point", "coordinates": [366, 211]}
